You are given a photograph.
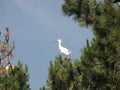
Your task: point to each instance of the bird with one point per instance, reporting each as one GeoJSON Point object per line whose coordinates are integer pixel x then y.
{"type": "Point", "coordinates": [62, 49]}
{"type": "Point", "coordinates": [8, 66]}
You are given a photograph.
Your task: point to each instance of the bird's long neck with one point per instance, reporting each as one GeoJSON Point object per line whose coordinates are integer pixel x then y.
{"type": "Point", "coordinates": [60, 46]}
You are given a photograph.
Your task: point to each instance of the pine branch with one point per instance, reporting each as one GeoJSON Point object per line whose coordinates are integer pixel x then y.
{"type": "Point", "coordinates": [118, 5]}
{"type": "Point", "coordinates": [115, 1]}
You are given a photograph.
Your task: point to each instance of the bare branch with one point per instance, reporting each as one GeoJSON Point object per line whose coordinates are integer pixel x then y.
{"type": "Point", "coordinates": [6, 49]}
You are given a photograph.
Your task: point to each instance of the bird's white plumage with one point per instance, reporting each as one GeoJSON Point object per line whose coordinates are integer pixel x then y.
{"type": "Point", "coordinates": [63, 49]}
{"type": "Point", "coordinates": [8, 66]}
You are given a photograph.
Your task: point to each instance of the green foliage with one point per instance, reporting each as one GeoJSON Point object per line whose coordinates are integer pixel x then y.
{"type": "Point", "coordinates": [16, 79]}
{"type": "Point", "coordinates": [100, 60]}
{"type": "Point", "coordinates": [62, 75]}
{"type": "Point", "coordinates": [90, 12]}
{"type": "Point", "coordinates": [42, 88]}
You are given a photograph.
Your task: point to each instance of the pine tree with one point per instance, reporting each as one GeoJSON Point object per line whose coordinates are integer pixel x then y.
{"type": "Point", "coordinates": [99, 64]}
{"type": "Point", "coordinates": [16, 79]}
{"type": "Point", "coordinates": [62, 75]}
{"type": "Point", "coordinates": [100, 59]}
{"type": "Point", "coordinates": [12, 77]}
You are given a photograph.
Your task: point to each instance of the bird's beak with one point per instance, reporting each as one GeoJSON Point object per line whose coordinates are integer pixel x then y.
{"type": "Point", "coordinates": [55, 41]}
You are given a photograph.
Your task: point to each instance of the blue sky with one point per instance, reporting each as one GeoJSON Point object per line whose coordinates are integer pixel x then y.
{"type": "Point", "coordinates": [34, 26]}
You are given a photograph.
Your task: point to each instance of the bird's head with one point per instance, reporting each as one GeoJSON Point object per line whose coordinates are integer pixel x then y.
{"type": "Point", "coordinates": [58, 40]}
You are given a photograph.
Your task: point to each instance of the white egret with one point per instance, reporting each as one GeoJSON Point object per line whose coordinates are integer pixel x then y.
{"type": "Point", "coordinates": [9, 65]}
{"type": "Point", "coordinates": [62, 49]}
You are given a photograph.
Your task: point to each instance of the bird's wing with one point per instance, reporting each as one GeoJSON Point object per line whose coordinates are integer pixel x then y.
{"type": "Point", "coordinates": [65, 51]}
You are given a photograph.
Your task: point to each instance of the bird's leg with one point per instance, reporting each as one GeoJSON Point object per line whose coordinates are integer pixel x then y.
{"type": "Point", "coordinates": [70, 57]}
{"type": "Point", "coordinates": [63, 55]}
